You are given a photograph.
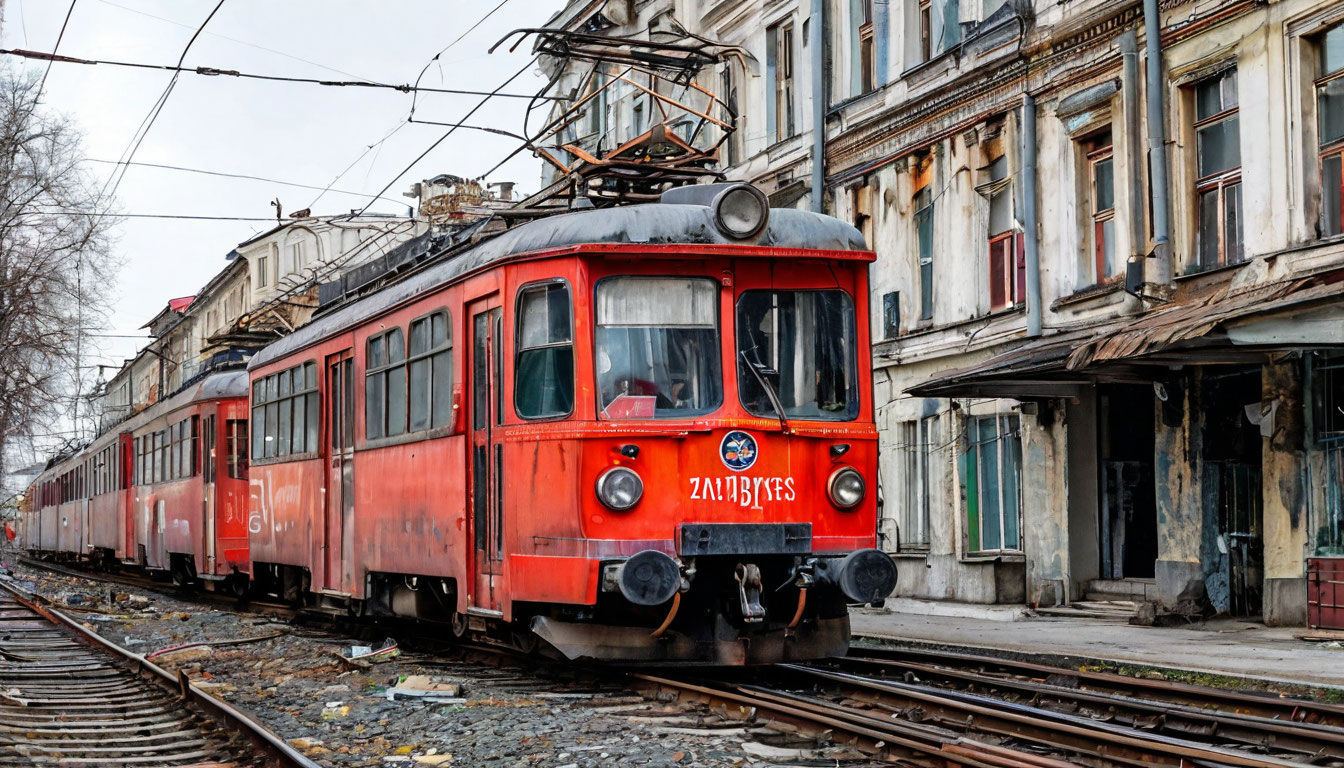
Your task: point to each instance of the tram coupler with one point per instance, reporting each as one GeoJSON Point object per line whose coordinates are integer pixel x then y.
{"type": "Point", "coordinates": [748, 578]}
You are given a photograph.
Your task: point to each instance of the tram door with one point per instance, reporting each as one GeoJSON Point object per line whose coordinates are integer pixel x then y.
{"type": "Point", "coordinates": [340, 497]}
{"type": "Point", "coordinates": [208, 501]}
{"type": "Point", "coordinates": [485, 371]}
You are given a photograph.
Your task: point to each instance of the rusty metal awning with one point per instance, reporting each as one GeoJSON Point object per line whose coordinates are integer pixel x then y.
{"type": "Point", "coordinates": [1226, 326]}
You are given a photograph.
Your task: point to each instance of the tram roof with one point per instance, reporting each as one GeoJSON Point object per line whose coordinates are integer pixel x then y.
{"type": "Point", "coordinates": [654, 224]}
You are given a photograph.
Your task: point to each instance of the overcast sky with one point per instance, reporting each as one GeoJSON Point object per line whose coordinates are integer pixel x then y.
{"type": "Point", "coordinates": [289, 132]}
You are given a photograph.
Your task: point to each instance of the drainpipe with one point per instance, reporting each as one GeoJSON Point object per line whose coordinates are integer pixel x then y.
{"type": "Point", "coordinates": [1157, 143]}
{"type": "Point", "coordinates": [1029, 216]}
{"type": "Point", "coordinates": [817, 26]}
{"type": "Point", "coordinates": [1129, 95]}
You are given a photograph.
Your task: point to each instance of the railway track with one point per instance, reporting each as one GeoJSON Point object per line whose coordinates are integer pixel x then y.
{"type": "Point", "coordinates": [926, 707]}
{"type": "Point", "coordinates": [140, 581]}
{"type": "Point", "coordinates": [922, 713]}
{"type": "Point", "coordinates": [70, 697]}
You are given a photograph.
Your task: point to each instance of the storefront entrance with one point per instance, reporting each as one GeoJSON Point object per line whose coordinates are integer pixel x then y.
{"type": "Point", "coordinates": [1128, 508]}
{"type": "Point", "coordinates": [1232, 448]}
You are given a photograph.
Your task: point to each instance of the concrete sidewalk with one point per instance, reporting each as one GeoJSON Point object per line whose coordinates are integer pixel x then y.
{"type": "Point", "coordinates": [1220, 647]}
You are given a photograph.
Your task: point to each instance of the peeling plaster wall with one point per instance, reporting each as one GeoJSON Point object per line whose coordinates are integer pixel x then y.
{"type": "Point", "coordinates": [1285, 496]}
{"type": "Point", "coordinates": [1180, 507]}
{"type": "Point", "coordinates": [1045, 509]}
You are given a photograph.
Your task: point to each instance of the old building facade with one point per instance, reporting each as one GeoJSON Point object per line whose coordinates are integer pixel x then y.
{"type": "Point", "coordinates": [267, 288]}
{"type": "Point", "coordinates": [1108, 288]}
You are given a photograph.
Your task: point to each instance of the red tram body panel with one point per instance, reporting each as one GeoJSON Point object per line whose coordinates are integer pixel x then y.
{"type": "Point", "coordinates": [166, 490]}
{"type": "Point", "coordinates": [630, 432]}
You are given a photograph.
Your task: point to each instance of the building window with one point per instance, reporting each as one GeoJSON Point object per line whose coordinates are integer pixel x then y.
{"type": "Point", "coordinates": [925, 30]}
{"type": "Point", "coordinates": [923, 205]}
{"type": "Point", "coordinates": [1007, 269]}
{"type": "Point", "coordinates": [779, 38]}
{"type": "Point", "coordinates": [1218, 161]}
{"type": "Point", "coordinates": [298, 257]}
{"type": "Point", "coordinates": [1101, 207]}
{"type": "Point", "coordinates": [939, 26]}
{"type": "Point", "coordinates": [385, 386]}
{"type": "Point", "coordinates": [919, 443]}
{"type": "Point", "coordinates": [430, 367]}
{"type": "Point", "coordinates": [1327, 394]}
{"type": "Point", "coordinates": [1330, 126]}
{"type": "Point", "coordinates": [543, 373]}
{"type": "Point", "coordinates": [992, 482]}
{"type": "Point", "coordinates": [284, 413]}
{"type": "Point", "coordinates": [867, 54]}
{"type": "Point", "coordinates": [261, 272]}
{"type": "Point", "coordinates": [891, 315]}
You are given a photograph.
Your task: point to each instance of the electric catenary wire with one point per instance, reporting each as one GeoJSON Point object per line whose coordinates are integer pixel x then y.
{"type": "Point", "coordinates": [154, 112]}
{"type": "Point", "coordinates": [220, 72]}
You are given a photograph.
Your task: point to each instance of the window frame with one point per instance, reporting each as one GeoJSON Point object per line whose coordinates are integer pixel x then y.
{"type": "Point", "coordinates": [922, 212]}
{"type": "Point", "coordinates": [868, 79]}
{"type": "Point", "coordinates": [385, 370]}
{"type": "Point", "coordinates": [269, 402]}
{"type": "Point", "coordinates": [428, 356]}
{"type": "Point", "coordinates": [1099, 218]}
{"type": "Point", "coordinates": [1327, 150]}
{"type": "Point", "coordinates": [781, 38]}
{"type": "Point", "coordinates": [856, 392]}
{"type": "Point", "coordinates": [916, 467]}
{"type": "Point", "coordinates": [518, 349]}
{"type": "Point", "coordinates": [1219, 182]}
{"type": "Point", "coordinates": [974, 466]}
{"type": "Point", "coordinates": [718, 338]}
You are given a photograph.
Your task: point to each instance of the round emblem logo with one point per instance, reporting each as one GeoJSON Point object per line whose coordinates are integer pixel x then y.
{"type": "Point", "coordinates": [738, 451]}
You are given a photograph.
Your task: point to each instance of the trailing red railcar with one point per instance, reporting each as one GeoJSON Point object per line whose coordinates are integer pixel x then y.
{"type": "Point", "coordinates": [166, 491]}
{"type": "Point", "coordinates": [638, 433]}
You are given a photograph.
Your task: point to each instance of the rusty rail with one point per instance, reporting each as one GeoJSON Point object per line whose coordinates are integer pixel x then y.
{"type": "Point", "coordinates": [1166, 692]}
{"type": "Point", "coordinates": [63, 704]}
{"type": "Point", "coordinates": [1057, 689]}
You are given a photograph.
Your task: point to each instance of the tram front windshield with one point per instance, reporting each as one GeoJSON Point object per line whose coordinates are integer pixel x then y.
{"type": "Point", "coordinates": [801, 343]}
{"type": "Point", "coordinates": [658, 347]}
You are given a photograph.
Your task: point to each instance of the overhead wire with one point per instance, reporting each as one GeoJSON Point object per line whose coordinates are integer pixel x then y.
{"type": "Point", "coordinates": [448, 133]}
{"type": "Point", "coordinates": [445, 48]}
{"type": "Point", "coordinates": [154, 111]}
{"type": "Point", "coordinates": [226, 175]}
{"type": "Point", "coordinates": [233, 40]}
{"type": "Point", "coordinates": [60, 36]}
{"type": "Point", "coordinates": [410, 116]}
{"type": "Point", "coordinates": [205, 71]}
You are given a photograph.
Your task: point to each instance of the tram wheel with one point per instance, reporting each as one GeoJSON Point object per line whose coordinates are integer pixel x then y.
{"type": "Point", "coordinates": [459, 625]}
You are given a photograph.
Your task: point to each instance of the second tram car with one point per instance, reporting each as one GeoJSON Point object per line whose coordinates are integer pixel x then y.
{"type": "Point", "coordinates": [639, 433]}
{"type": "Point", "coordinates": [166, 490]}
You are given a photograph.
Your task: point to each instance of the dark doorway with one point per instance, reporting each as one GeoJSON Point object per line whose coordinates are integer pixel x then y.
{"type": "Point", "coordinates": [1234, 563]}
{"type": "Point", "coordinates": [1128, 525]}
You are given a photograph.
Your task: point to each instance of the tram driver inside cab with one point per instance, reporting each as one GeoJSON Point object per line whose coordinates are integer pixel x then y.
{"type": "Point", "coordinates": [657, 347]}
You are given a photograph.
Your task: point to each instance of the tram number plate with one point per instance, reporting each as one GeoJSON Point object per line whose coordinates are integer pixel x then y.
{"type": "Point", "coordinates": [741, 490]}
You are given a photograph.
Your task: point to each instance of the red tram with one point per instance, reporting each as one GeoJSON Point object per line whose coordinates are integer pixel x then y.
{"type": "Point", "coordinates": [165, 491]}
{"type": "Point", "coordinates": [636, 433]}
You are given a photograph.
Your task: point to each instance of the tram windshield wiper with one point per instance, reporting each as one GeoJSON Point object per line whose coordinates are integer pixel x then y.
{"type": "Point", "coordinates": [763, 374]}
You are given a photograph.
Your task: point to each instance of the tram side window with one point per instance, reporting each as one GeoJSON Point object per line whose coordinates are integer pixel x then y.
{"type": "Point", "coordinates": [284, 414]}
{"type": "Point", "coordinates": [430, 374]}
{"type": "Point", "coordinates": [543, 373]}
{"type": "Point", "coordinates": [385, 386]}
{"type": "Point", "coordinates": [236, 437]}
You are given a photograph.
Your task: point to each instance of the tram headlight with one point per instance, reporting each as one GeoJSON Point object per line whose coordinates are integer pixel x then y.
{"type": "Point", "coordinates": [740, 211]}
{"type": "Point", "coordinates": [619, 488]}
{"type": "Point", "coordinates": [846, 488]}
